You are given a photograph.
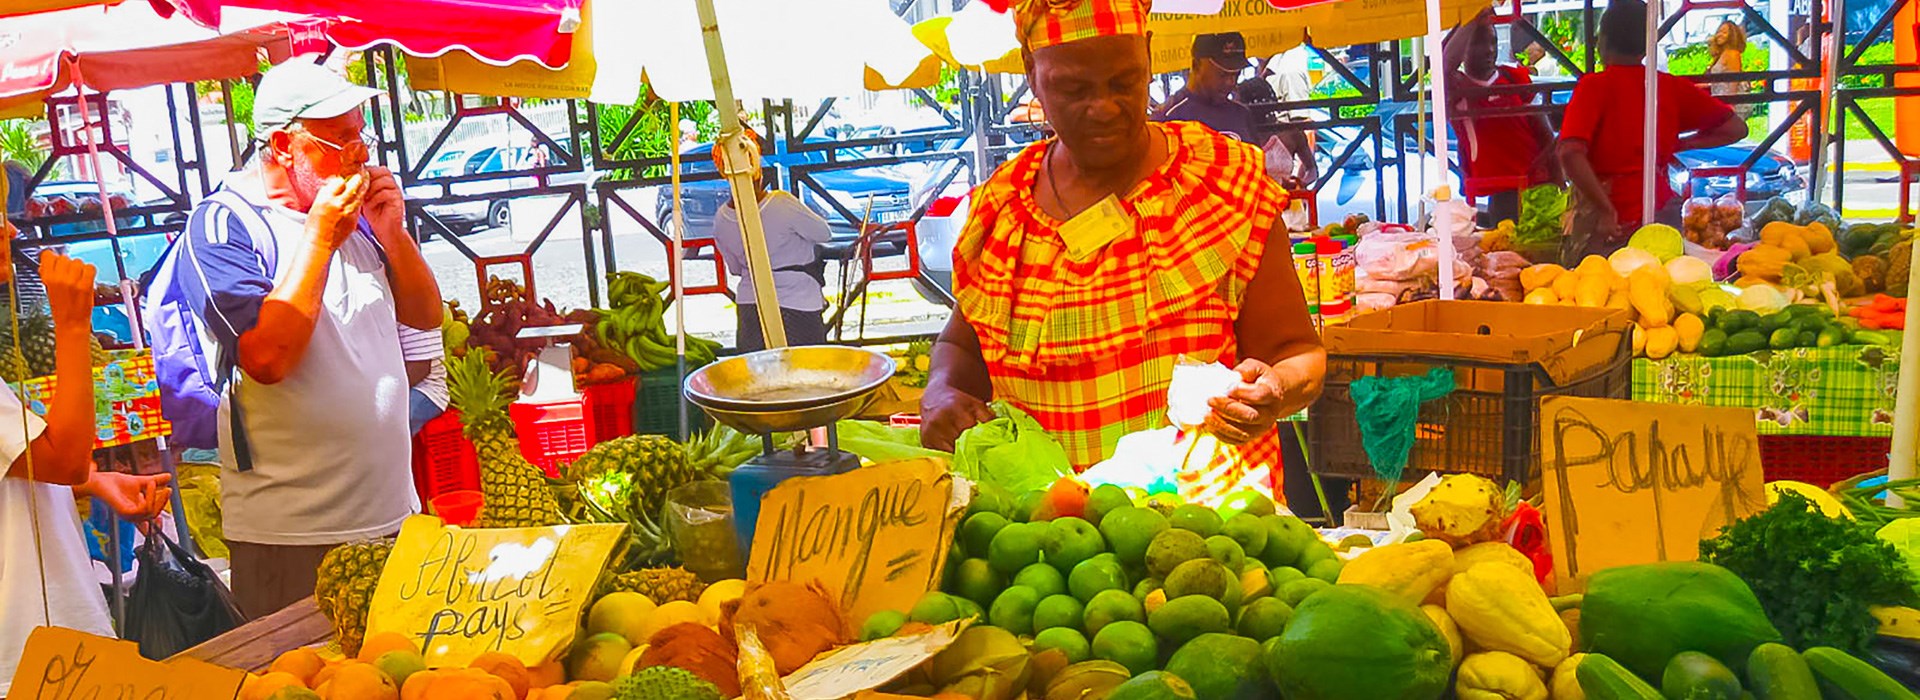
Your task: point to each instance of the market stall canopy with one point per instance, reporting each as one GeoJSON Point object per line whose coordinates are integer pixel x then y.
{"type": "Point", "coordinates": [978, 37]}
{"type": "Point", "coordinates": [499, 32]}
{"type": "Point", "coordinates": [776, 49]}
{"type": "Point", "coordinates": [129, 46]}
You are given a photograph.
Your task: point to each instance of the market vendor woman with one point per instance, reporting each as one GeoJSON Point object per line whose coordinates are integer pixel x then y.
{"type": "Point", "coordinates": [1093, 261]}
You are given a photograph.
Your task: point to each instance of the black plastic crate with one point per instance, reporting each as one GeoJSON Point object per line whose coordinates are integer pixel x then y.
{"type": "Point", "coordinates": [1489, 425]}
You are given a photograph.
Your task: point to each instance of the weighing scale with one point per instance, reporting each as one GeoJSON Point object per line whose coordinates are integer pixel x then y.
{"type": "Point", "coordinates": [549, 375]}
{"type": "Point", "coordinates": [787, 390]}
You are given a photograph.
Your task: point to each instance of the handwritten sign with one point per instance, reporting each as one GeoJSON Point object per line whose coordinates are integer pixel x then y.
{"type": "Point", "coordinates": [461, 593]}
{"type": "Point", "coordinates": [64, 664]}
{"type": "Point", "coordinates": [846, 671]}
{"type": "Point", "coordinates": [876, 537]}
{"type": "Point", "coordinates": [1634, 483]}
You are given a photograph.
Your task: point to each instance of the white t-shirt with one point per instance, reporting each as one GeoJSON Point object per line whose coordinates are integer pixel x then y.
{"type": "Point", "coordinates": [73, 598]}
{"type": "Point", "coordinates": [792, 230]}
{"type": "Point", "coordinates": [329, 442]}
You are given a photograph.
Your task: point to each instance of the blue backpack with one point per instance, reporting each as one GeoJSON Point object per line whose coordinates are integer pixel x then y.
{"type": "Point", "coordinates": [194, 369]}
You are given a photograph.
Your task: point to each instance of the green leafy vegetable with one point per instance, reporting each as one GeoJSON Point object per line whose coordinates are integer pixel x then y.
{"type": "Point", "coordinates": [1815, 575]}
{"type": "Point", "coordinates": [1904, 535]}
{"type": "Point", "coordinates": [1542, 207]}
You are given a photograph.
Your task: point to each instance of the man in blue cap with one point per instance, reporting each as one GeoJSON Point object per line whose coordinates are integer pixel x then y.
{"type": "Point", "coordinates": [1218, 60]}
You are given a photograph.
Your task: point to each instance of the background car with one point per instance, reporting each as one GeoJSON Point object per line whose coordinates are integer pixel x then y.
{"type": "Point", "coordinates": [892, 192]}
{"type": "Point", "coordinates": [458, 160]}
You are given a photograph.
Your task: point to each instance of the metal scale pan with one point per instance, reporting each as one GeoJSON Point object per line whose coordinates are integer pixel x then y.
{"type": "Point", "coordinates": [789, 389]}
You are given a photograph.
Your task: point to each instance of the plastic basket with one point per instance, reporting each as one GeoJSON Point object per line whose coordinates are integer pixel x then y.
{"type": "Point", "coordinates": [553, 434]}
{"type": "Point", "coordinates": [656, 406]}
{"type": "Point", "coordinates": [443, 458]}
{"type": "Point", "coordinates": [1821, 460]}
{"type": "Point", "coordinates": [611, 405]}
{"type": "Point", "coordinates": [1489, 425]}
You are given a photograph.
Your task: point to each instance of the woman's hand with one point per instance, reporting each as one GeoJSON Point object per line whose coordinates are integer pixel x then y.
{"type": "Point", "coordinates": [945, 413]}
{"type": "Point", "coordinates": [136, 498]}
{"type": "Point", "coordinates": [1256, 405]}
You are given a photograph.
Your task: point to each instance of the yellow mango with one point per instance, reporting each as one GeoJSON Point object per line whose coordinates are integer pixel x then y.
{"type": "Point", "coordinates": [1538, 276]}
{"type": "Point", "coordinates": [1639, 340]}
{"type": "Point", "coordinates": [1592, 291]}
{"type": "Point", "coordinates": [1501, 608]}
{"type": "Point", "coordinates": [1497, 675]}
{"type": "Point", "coordinates": [1647, 290]}
{"type": "Point", "coordinates": [1594, 265]}
{"type": "Point", "coordinates": [1408, 570]}
{"type": "Point", "coordinates": [1543, 296]}
{"type": "Point", "coordinates": [1451, 631]}
{"type": "Point", "coordinates": [1661, 342]}
{"type": "Point", "coordinates": [1690, 328]}
{"type": "Point", "coordinates": [1565, 285]}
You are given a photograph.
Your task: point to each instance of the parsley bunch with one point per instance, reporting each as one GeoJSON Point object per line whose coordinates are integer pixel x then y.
{"type": "Point", "coordinates": [1814, 575]}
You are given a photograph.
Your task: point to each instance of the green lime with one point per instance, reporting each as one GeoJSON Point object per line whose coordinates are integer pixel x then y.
{"type": "Point", "coordinates": [1247, 502]}
{"type": "Point", "coordinates": [882, 624]}
{"type": "Point", "coordinates": [1173, 548]}
{"type": "Point", "coordinates": [1186, 617]}
{"type": "Point", "coordinates": [1129, 644]}
{"type": "Point", "coordinates": [1197, 519]}
{"type": "Point", "coordinates": [1013, 610]}
{"type": "Point", "coordinates": [1059, 611]}
{"type": "Point", "coordinates": [1103, 500]}
{"type": "Point", "coordinates": [1326, 570]}
{"type": "Point", "coordinates": [1068, 640]}
{"type": "Point", "coordinates": [1016, 546]}
{"type": "Point", "coordinates": [1043, 578]}
{"type": "Point", "coordinates": [1287, 538]}
{"type": "Point", "coordinates": [937, 608]}
{"type": "Point", "coordinates": [1031, 506]}
{"type": "Point", "coordinates": [976, 534]}
{"type": "Point", "coordinates": [1130, 529]}
{"type": "Point", "coordinates": [990, 498]}
{"type": "Point", "coordinates": [1293, 592]}
{"type": "Point", "coordinates": [1283, 575]}
{"type": "Point", "coordinates": [1145, 587]}
{"type": "Point", "coordinates": [1093, 576]}
{"type": "Point", "coordinates": [1225, 550]}
{"type": "Point", "coordinates": [1264, 619]}
{"type": "Point", "coordinates": [976, 580]}
{"type": "Point", "coordinates": [1247, 530]}
{"type": "Point", "coordinates": [1108, 607]}
{"type": "Point", "coordinates": [1071, 541]}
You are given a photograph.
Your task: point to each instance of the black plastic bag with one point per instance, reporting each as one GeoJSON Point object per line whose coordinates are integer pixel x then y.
{"type": "Point", "coordinates": [177, 602]}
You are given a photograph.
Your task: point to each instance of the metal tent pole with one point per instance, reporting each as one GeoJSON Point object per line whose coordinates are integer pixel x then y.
{"type": "Point", "coordinates": [741, 157]}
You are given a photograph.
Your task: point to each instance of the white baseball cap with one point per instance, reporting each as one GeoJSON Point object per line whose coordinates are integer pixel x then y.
{"type": "Point", "coordinates": [302, 89]}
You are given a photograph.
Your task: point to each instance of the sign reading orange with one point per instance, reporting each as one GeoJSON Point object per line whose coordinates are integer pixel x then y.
{"type": "Point", "coordinates": [64, 664]}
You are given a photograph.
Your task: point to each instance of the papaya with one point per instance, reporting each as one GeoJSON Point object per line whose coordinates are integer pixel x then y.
{"type": "Point", "coordinates": [1592, 291]}
{"type": "Point", "coordinates": [1349, 641]}
{"type": "Point", "coordinates": [1642, 615]}
{"type": "Point", "coordinates": [1661, 342]}
{"type": "Point", "coordinates": [1690, 328]}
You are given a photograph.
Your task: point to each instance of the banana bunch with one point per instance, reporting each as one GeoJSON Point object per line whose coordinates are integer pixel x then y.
{"type": "Point", "coordinates": [636, 323]}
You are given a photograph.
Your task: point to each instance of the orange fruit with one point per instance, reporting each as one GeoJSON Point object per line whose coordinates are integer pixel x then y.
{"type": "Point", "coordinates": [384, 642]}
{"type": "Point", "coordinates": [357, 681]}
{"type": "Point", "coordinates": [547, 675]}
{"type": "Point", "coordinates": [259, 689]}
{"type": "Point", "coordinates": [468, 684]}
{"type": "Point", "coordinates": [325, 674]}
{"type": "Point", "coordinates": [304, 663]}
{"type": "Point", "coordinates": [416, 687]}
{"type": "Point", "coordinates": [506, 667]}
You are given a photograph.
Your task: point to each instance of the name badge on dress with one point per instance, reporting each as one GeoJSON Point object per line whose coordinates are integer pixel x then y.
{"type": "Point", "coordinates": [1091, 230]}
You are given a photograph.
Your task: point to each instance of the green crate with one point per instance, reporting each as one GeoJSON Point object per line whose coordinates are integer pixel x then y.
{"type": "Point", "coordinates": [656, 405]}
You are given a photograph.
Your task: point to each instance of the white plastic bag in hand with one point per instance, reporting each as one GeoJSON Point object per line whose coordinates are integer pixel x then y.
{"type": "Point", "coordinates": [1193, 385]}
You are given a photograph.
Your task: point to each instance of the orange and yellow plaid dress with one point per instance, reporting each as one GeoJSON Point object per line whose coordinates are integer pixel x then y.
{"type": "Point", "coordinates": [1087, 347]}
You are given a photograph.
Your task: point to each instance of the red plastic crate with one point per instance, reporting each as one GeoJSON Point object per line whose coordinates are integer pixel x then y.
{"type": "Point", "coordinates": [553, 434]}
{"type": "Point", "coordinates": [611, 405]}
{"type": "Point", "coordinates": [443, 458]}
{"type": "Point", "coordinates": [1821, 460]}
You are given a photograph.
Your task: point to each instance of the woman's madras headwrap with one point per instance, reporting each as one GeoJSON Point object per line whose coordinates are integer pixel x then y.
{"type": "Point", "coordinates": [1043, 23]}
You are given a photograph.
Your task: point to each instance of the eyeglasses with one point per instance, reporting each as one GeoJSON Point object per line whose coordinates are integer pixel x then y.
{"type": "Point", "coordinates": [359, 142]}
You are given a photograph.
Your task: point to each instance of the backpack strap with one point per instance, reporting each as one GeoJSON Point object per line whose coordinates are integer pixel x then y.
{"type": "Point", "coordinates": [225, 372]}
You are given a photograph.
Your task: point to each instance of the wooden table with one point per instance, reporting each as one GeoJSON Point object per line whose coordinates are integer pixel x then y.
{"type": "Point", "coordinates": [253, 646]}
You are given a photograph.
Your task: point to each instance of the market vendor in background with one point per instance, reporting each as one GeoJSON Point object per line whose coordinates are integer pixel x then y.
{"type": "Point", "coordinates": [1504, 145]}
{"type": "Point", "coordinates": [793, 236]}
{"type": "Point", "coordinates": [1092, 262]}
{"type": "Point", "coordinates": [1602, 133]}
{"type": "Point", "coordinates": [1208, 96]}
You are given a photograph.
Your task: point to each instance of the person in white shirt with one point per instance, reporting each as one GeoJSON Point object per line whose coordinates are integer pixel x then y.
{"type": "Point", "coordinates": [794, 235]}
{"type": "Point", "coordinates": [46, 577]}
{"type": "Point", "coordinates": [425, 355]}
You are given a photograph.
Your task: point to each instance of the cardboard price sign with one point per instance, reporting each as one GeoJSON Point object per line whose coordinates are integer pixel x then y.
{"type": "Point", "coordinates": [875, 537]}
{"type": "Point", "coordinates": [461, 593]}
{"type": "Point", "coordinates": [63, 664]}
{"type": "Point", "coordinates": [1634, 483]}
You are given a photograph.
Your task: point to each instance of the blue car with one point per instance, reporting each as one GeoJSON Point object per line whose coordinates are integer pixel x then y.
{"type": "Point", "coordinates": [1771, 176]}
{"type": "Point", "coordinates": [891, 192]}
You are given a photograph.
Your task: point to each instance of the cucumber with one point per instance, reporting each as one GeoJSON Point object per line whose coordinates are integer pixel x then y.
{"type": "Point", "coordinates": [1852, 678]}
{"type": "Point", "coordinates": [1691, 675]}
{"type": "Point", "coordinates": [1776, 672]}
{"type": "Point", "coordinates": [1602, 678]}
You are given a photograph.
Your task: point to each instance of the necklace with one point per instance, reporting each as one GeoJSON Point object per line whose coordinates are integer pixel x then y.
{"type": "Point", "coordinates": [1053, 181]}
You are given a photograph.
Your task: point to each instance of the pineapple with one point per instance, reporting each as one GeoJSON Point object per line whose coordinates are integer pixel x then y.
{"type": "Point", "coordinates": [36, 344]}
{"type": "Point", "coordinates": [648, 466]}
{"type": "Point", "coordinates": [516, 493]}
{"type": "Point", "coordinates": [662, 585]}
{"type": "Point", "coordinates": [13, 366]}
{"type": "Point", "coordinates": [344, 590]}
{"type": "Point", "coordinates": [1463, 509]}
{"type": "Point", "coordinates": [99, 352]}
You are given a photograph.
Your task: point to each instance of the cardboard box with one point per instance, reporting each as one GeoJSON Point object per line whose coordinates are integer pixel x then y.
{"type": "Point", "coordinates": [1569, 343]}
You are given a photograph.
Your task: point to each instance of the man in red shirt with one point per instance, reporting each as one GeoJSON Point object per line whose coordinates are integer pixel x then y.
{"type": "Point", "coordinates": [1503, 145]}
{"type": "Point", "coordinates": [1602, 136]}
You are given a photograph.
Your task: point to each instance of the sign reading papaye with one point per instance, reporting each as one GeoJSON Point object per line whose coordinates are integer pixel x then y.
{"type": "Point", "coordinates": [1635, 483]}
{"type": "Point", "coordinates": [461, 593]}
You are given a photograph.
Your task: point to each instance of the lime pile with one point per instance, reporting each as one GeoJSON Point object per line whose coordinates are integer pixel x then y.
{"type": "Point", "coordinates": [1181, 596]}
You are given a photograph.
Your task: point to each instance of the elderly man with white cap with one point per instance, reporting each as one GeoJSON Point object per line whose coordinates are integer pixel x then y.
{"type": "Point", "coordinates": [310, 271]}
